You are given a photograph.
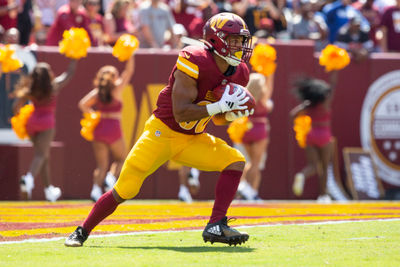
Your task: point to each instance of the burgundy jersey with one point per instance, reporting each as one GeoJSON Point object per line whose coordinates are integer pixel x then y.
{"type": "Point", "coordinates": [198, 63]}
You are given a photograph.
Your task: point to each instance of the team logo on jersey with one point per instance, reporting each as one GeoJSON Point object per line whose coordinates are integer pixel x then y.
{"type": "Point", "coordinates": [380, 125]}
{"type": "Point", "coordinates": [157, 133]}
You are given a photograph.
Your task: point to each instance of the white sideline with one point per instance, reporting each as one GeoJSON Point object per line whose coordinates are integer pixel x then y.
{"type": "Point", "coordinates": [34, 240]}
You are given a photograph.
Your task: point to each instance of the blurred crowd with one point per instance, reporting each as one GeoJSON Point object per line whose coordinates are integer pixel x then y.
{"type": "Point", "coordinates": [361, 27]}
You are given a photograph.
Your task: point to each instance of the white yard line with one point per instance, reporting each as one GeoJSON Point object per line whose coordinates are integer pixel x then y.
{"type": "Point", "coordinates": [34, 240]}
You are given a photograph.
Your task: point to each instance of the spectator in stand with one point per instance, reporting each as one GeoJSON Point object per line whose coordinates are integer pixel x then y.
{"type": "Point", "coordinates": [96, 24]}
{"type": "Point", "coordinates": [11, 36]}
{"type": "Point", "coordinates": [356, 41]}
{"type": "Point", "coordinates": [155, 18]}
{"type": "Point", "coordinates": [390, 29]}
{"type": "Point", "coordinates": [338, 13]}
{"type": "Point", "coordinates": [308, 25]}
{"type": "Point", "coordinates": [70, 15]}
{"type": "Point", "coordinates": [48, 11]}
{"type": "Point", "coordinates": [259, 15]}
{"type": "Point", "coordinates": [371, 12]}
{"type": "Point", "coordinates": [106, 5]}
{"type": "Point", "coordinates": [383, 4]}
{"type": "Point", "coordinates": [116, 21]}
{"type": "Point", "coordinates": [24, 21]}
{"type": "Point", "coordinates": [8, 14]}
{"type": "Point", "coordinates": [196, 25]}
{"type": "Point", "coordinates": [223, 5]}
{"type": "Point", "coordinates": [183, 12]}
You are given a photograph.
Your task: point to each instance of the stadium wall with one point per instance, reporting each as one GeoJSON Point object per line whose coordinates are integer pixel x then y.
{"type": "Point", "coordinates": [75, 165]}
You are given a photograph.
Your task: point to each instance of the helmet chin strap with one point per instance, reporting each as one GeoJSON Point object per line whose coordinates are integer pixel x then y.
{"type": "Point", "coordinates": [233, 61]}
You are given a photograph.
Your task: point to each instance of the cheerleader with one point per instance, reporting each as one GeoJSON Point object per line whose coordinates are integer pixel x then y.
{"type": "Point", "coordinates": [316, 96]}
{"type": "Point", "coordinates": [256, 138]}
{"type": "Point", "coordinates": [41, 89]}
{"type": "Point", "coordinates": [106, 98]}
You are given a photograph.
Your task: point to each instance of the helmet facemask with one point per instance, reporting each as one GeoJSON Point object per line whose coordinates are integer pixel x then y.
{"type": "Point", "coordinates": [236, 51]}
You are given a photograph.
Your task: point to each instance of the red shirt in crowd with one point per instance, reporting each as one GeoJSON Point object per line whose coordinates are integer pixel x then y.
{"type": "Point", "coordinates": [391, 20]}
{"type": "Point", "coordinates": [6, 20]}
{"type": "Point", "coordinates": [65, 20]}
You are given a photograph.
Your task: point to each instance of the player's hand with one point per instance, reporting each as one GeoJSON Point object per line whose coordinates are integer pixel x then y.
{"type": "Point", "coordinates": [233, 101]}
{"type": "Point", "coordinates": [234, 115]}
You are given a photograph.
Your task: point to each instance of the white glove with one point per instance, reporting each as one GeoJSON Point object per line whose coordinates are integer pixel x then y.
{"type": "Point", "coordinates": [228, 102]}
{"type": "Point", "coordinates": [234, 115]}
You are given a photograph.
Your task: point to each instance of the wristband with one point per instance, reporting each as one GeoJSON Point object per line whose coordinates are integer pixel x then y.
{"type": "Point", "coordinates": [213, 108]}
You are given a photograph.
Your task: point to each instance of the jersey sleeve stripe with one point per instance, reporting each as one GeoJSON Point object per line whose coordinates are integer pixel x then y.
{"type": "Point", "coordinates": [187, 67]}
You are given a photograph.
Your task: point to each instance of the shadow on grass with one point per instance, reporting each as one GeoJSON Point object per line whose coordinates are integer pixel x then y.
{"type": "Point", "coordinates": [197, 249]}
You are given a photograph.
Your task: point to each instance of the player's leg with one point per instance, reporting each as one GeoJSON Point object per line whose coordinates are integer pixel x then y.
{"type": "Point", "coordinates": [209, 153]}
{"type": "Point", "coordinates": [146, 156]}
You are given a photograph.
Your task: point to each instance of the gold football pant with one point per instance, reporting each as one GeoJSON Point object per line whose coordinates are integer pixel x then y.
{"type": "Point", "coordinates": [158, 144]}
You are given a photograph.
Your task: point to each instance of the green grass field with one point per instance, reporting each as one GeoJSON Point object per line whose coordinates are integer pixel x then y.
{"type": "Point", "coordinates": [281, 234]}
{"type": "Point", "coordinates": [373, 243]}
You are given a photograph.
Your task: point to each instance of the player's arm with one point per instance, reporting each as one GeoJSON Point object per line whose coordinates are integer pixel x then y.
{"type": "Point", "coordinates": [299, 109]}
{"type": "Point", "coordinates": [184, 92]}
{"type": "Point", "coordinates": [88, 101]}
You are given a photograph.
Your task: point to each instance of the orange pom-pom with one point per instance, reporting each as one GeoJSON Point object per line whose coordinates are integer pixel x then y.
{"type": "Point", "coordinates": [302, 125]}
{"type": "Point", "coordinates": [8, 59]}
{"type": "Point", "coordinates": [238, 128]}
{"type": "Point", "coordinates": [263, 59]}
{"type": "Point", "coordinates": [89, 123]}
{"type": "Point", "coordinates": [75, 43]}
{"type": "Point", "coordinates": [334, 58]}
{"type": "Point", "coordinates": [125, 47]}
{"type": "Point", "coordinates": [18, 122]}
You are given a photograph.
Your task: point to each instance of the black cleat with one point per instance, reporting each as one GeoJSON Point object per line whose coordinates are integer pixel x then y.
{"type": "Point", "coordinates": [222, 233]}
{"type": "Point", "coordinates": [77, 238]}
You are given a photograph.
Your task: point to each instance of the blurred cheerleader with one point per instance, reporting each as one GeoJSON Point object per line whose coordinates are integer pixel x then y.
{"type": "Point", "coordinates": [316, 96]}
{"type": "Point", "coordinates": [41, 88]}
{"type": "Point", "coordinates": [106, 97]}
{"type": "Point", "coordinates": [255, 140]}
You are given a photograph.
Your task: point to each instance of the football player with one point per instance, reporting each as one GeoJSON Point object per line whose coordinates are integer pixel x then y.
{"type": "Point", "coordinates": [176, 129]}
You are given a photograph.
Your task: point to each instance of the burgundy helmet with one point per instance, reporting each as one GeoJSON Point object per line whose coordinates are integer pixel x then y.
{"type": "Point", "coordinates": [216, 31]}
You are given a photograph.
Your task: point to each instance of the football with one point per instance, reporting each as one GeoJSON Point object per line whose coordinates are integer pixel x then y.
{"type": "Point", "coordinates": [219, 91]}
